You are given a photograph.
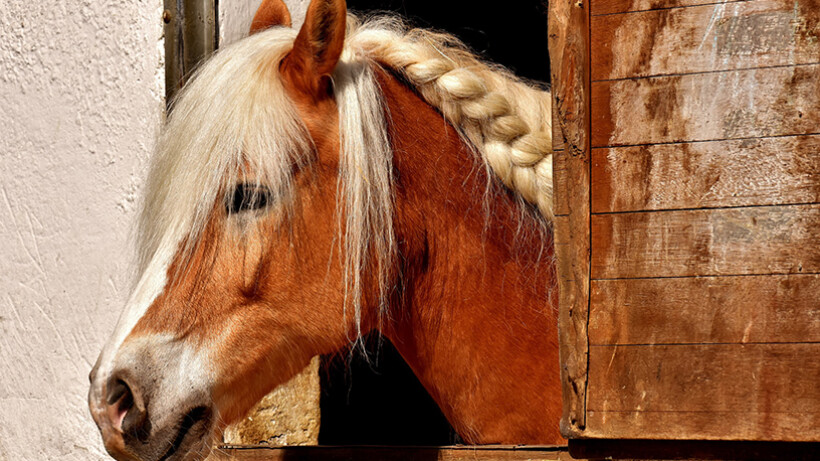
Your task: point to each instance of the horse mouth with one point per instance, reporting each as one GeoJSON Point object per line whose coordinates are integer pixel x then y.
{"type": "Point", "coordinates": [193, 427]}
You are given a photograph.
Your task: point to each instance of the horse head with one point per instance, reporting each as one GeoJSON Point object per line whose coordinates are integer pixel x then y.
{"type": "Point", "coordinates": [281, 218]}
{"type": "Point", "coordinates": [238, 284]}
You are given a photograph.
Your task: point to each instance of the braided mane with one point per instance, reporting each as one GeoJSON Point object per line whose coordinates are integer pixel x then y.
{"type": "Point", "coordinates": [505, 119]}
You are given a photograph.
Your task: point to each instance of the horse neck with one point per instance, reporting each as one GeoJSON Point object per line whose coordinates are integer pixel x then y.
{"type": "Point", "coordinates": [476, 319]}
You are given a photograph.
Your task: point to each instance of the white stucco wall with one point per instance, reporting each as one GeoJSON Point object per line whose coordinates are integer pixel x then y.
{"type": "Point", "coordinates": [235, 17]}
{"type": "Point", "coordinates": [81, 97]}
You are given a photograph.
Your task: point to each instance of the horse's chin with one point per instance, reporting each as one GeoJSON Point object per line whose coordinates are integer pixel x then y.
{"type": "Point", "coordinates": [189, 439]}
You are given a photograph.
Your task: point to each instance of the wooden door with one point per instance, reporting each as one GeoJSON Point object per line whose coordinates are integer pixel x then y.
{"type": "Point", "coordinates": [687, 178]}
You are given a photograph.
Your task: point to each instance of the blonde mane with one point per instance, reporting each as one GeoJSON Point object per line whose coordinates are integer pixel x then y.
{"type": "Point", "coordinates": [505, 119]}
{"type": "Point", "coordinates": [235, 118]}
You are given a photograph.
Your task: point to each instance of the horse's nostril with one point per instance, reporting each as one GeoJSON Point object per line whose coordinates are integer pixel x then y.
{"type": "Point", "coordinates": [116, 391]}
{"type": "Point", "coordinates": [127, 410]}
{"type": "Point", "coordinates": [136, 424]}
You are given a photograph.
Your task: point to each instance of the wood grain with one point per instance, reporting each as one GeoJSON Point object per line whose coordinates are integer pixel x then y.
{"type": "Point", "coordinates": [760, 33]}
{"type": "Point", "coordinates": [559, 168]}
{"type": "Point", "coordinates": [334, 453]}
{"type": "Point", "coordinates": [701, 321]}
{"type": "Point", "coordinates": [569, 53]}
{"type": "Point", "coordinates": [560, 177]}
{"type": "Point", "coordinates": [758, 240]}
{"type": "Point", "coordinates": [756, 309]}
{"type": "Point", "coordinates": [686, 426]}
{"type": "Point", "coordinates": [600, 7]}
{"type": "Point", "coordinates": [769, 391]}
{"type": "Point", "coordinates": [761, 171]}
{"type": "Point", "coordinates": [558, 141]}
{"type": "Point", "coordinates": [702, 107]}
{"type": "Point", "coordinates": [626, 449]}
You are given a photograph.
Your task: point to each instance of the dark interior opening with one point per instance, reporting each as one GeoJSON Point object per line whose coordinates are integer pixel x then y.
{"type": "Point", "coordinates": [512, 33]}
{"type": "Point", "coordinates": [381, 402]}
{"type": "Point", "coordinates": [377, 400]}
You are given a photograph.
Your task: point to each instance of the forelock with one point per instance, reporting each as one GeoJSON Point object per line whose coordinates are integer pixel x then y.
{"type": "Point", "coordinates": [232, 115]}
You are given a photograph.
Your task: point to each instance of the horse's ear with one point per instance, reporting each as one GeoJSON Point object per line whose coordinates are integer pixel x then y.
{"type": "Point", "coordinates": [269, 14]}
{"type": "Point", "coordinates": [318, 46]}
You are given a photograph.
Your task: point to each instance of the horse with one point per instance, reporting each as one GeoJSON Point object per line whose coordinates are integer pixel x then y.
{"type": "Point", "coordinates": [312, 186]}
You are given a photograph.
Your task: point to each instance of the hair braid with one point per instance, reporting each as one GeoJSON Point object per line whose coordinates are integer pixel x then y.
{"type": "Point", "coordinates": [505, 119]}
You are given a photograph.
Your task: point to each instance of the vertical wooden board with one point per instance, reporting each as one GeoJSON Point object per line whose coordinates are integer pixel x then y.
{"type": "Point", "coordinates": [755, 309]}
{"type": "Point", "coordinates": [558, 141]}
{"type": "Point", "coordinates": [603, 7]}
{"type": "Point", "coordinates": [768, 383]}
{"type": "Point", "coordinates": [569, 53]}
{"type": "Point", "coordinates": [701, 107]}
{"type": "Point", "coordinates": [762, 171]}
{"type": "Point", "coordinates": [708, 38]}
{"type": "Point", "coordinates": [563, 248]}
{"type": "Point", "coordinates": [758, 240]}
{"type": "Point", "coordinates": [573, 295]}
{"type": "Point", "coordinates": [560, 180]}
{"type": "Point", "coordinates": [560, 174]}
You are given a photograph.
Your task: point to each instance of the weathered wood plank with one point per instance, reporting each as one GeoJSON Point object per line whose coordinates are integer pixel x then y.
{"type": "Point", "coordinates": [560, 174]}
{"type": "Point", "coordinates": [569, 53]}
{"type": "Point", "coordinates": [761, 171]}
{"type": "Point", "coordinates": [701, 107]}
{"type": "Point", "coordinates": [727, 391]}
{"type": "Point", "coordinates": [759, 33]}
{"type": "Point", "coordinates": [333, 453]}
{"type": "Point", "coordinates": [755, 309]}
{"type": "Point", "coordinates": [745, 378]}
{"type": "Point", "coordinates": [775, 427]}
{"type": "Point", "coordinates": [626, 449]}
{"type": "Point", "coordinates": [573, 296]}
{"type": "Point", "coordinates": [758, 240]}
{"type": "Point", "coordinates": [558, 141]}
{"type": "Point", "coordinates": [601, 7]}
{"type": "Point", "coordinates": [560, 177]}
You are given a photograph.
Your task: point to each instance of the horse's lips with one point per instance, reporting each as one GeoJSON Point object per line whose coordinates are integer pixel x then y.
{"type": "Point", "coordinates": [198, 416]}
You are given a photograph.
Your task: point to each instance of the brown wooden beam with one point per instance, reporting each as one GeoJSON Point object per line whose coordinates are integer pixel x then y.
{"type": "Point", "coordinates": [339, 453]}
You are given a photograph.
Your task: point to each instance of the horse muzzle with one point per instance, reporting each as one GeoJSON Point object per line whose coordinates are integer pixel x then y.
{"type": "Point", "coordinates": [149, 409]}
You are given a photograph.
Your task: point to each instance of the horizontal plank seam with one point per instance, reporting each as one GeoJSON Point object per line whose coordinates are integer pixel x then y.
{"type": "Point", "coordinates": [711, 276]}
{"type": "Point", "coordinates": [550, 448]}
{"type": "Point", "coordinates": [770, 274]}
{"type": "Point", "coordinates": [705, 72]}
{"type": "Point", "coordinates": [709, 411]}
{"type": "Point", "coordinates": [704, 208]}
{"type": "Point", "coordinates": [750, 343]}
{"type": "Point", "coordinates": [679, 7]}
{"type": "Point", "coordinates": [693, 141]}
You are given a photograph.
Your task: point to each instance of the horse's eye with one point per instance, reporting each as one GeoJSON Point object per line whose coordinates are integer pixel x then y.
{"type": "Point", "coordinates": [247, 197]}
